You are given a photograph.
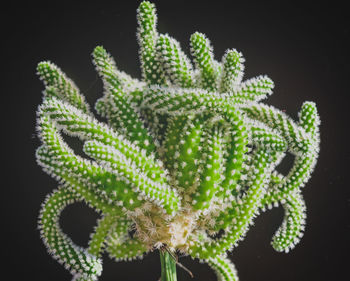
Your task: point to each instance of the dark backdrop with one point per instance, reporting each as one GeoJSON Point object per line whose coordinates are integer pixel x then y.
{"type": "Point", "coordinates": [301, 47]}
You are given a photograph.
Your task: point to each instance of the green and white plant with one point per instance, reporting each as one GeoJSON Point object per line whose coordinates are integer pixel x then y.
{"type": "Point", "coordinates": [187, 152]}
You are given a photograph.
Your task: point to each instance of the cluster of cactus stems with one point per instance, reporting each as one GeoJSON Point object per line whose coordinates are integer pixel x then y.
{"type": "Point", "coordinates": [184, 164]}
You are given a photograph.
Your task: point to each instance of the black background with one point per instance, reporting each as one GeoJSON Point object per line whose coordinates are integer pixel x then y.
{"type": "Point", "coordinates": [302, 47]}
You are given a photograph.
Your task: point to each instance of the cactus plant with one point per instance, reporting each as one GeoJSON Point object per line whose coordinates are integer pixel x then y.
{"type": "Point", "coordinates": [187, 158]}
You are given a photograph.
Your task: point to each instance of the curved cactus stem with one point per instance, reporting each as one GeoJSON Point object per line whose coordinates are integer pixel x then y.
{"type": "Point", "coordinates": [300, 172]}
{"type": "Point", "coordinates": [174, 62]}
{"type": "Point", "coordinates": [233, 70]}
{"type": "Point", "coordinates": [127, 122]}
{"type": "Point", "coordinates": [223, 267]}
{"type": "Point", "coordinates": [75, 123]}
{"type": "Point", "coordinates": [97, 239]}
{"type": "Point", "coordinates": [112, 77]}
{"type": "Point", "coordinates": [202, 51]}
{"type": "Point", "coordinates": [147, 36]}
{"type": "Point", "coordinates": [253, 90]}
{"type": "Point", "coordinates": [239, 216]}
{"type": "Point", "coordinates": [304, 146]}
{"type": "Point", "coordinates": [156, 124]}
{"type": "Point", "coordinates": [121, 247]}
{"type": "Point", "coordinates": [86, 177]}
{"type": "Point", "coordinates": [187, 152]}
{"type": "Point", "coordinates": [176, 101]}
{"type": "Point", "coordinates": [274, 194]}
{"type": "Point", "coordinates": [173, 101]}
{"type": "Point", "coordinates": [265, 137]}
{"type": "Point", "coordinates": [120, 113]}
{"type": "Point", "coordinates": [62, 248]}
{"type": "Point", "coordinates": [297, 138]}
{"type": "Point", "coordinates": [235, 152]}
{"type": "Point", "coordinates": [310, 120]}
{"type": "Point", "coordinates": [291, 230]}
{"type": "Point", "coordinates": [172, 139]}
{"type": "Point", "coordinates": [59, 85]}
{"type": "Point", "coordinates": [112, 158]}
{"type": "Point", "coordinates": [210, 169]}
{"type": "Point", "coordinates": [130, 250]}
{"type": "Point", "coordinates": [94, 197]}
{"type": "Point", "coordinates": [159, 193]}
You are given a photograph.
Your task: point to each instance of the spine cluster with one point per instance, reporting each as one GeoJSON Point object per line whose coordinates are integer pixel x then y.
{"type": "Point", "coordinates": [186, 152]}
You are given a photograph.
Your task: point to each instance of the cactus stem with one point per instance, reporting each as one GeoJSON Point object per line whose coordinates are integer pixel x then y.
{"type": "Point", "coordinates": [168, 266]}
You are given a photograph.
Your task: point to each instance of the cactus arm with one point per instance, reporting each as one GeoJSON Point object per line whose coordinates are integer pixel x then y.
{"type": "Point", "coordinates": [255, 89]}
{"type": "Point", "coordinates": [76, 123]}
{"type": "Point", "coordinates": [223, 267]}
{"type": "Point", "coordinates": [233, 70]}
{"type": "Point", "coordinates": [58, 160]}
{"type": "Point", "coordinates": [157, 192]}
{"type": "Point", "coordinates": [263, 136]}
{"type": "Point", "coordinates": [120, 246]}
{"type": "Point", "coordinates": [202, 51]}
{"type": "Point", "coordinates": [60, 86]}
{"type": "Point", "coordinates": [310, 120]}
{"type": "Point", "coordinates": [112, 158]}
{"type": "Point", "coordinates": [304, 146]}
{"type": "Point", "coordinates": [112, 76]}
{"type": "Point", "coordinates": [94, 197]}
{"type": "Point", "coordinates": [291, 230]}
{"type": "Point", "coordinates": [211, 169]}
{"type": "Point", "coordinates": [101, 231]}
{"type": "Point", "coordinates": [120, 112]}
{"type": "Point", "coordinates": [130, 249]}
{"type": "Point", "coordinates": [175, 63]}
{"type": "Point", "coordinates": [187, 152]}
{"type": "Point", "coordinates": [172, 139]}
{"type": "Point", "coordinates": [237, 219]}
{"type": "Point", "coordinates": [176, 101]}
{"type": "Point", "coordinates": [75, 258]}
{"type": "Point", "coordinates": [147, 36]}
{"type": "Point", "coordinates": [296, 137]}
{"type": "Point", "coordinates": [197, 101]}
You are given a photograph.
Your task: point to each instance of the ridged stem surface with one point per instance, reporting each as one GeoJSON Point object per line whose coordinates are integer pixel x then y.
{"type": "Point", "coordinates": [168, 266]}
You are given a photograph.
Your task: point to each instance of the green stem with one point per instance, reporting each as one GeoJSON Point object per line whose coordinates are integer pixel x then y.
{"type": "Point", "coordinates": [168, 266]}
